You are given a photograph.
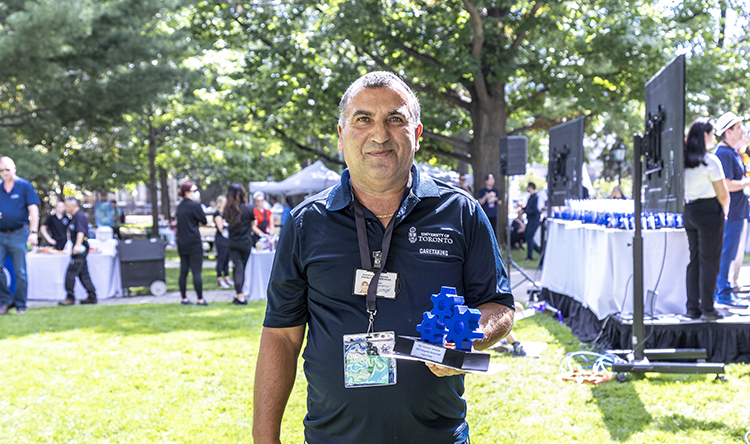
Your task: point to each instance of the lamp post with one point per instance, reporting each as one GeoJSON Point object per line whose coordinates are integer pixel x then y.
{"type": "Point", "coordinates": [618, 151]}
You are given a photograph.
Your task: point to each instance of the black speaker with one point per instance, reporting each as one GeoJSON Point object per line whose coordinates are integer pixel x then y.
{"type": "Point", "coordinates": [513, 156]}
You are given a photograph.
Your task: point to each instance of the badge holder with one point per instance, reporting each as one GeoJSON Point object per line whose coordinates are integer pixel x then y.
{"type": "Point", "coordinates": [368, 360]}
{"type": "Point", "coordinates": [449, 321]}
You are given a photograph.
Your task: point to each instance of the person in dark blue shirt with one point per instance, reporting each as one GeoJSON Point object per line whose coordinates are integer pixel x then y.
{"type": "Point", "coordinates": [440, 237]}
{"type": "Point", "coordinates": [19, 222]}
{"type": "Point", "coordinates": [78, 267]}
{"type": "Point", "coordinates": [729, 129]}
{"type": "Point", "coordinates": [532, 221]}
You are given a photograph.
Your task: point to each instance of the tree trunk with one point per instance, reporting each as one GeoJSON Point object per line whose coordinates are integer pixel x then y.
{"type": "Point", "coordinates": [165, 209]}
{"type": "Point", "coordinates": [152, 174]}
{"type": "Point", "coordinates": [489, 120]}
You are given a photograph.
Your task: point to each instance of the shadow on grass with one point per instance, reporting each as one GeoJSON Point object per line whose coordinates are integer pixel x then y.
{"type": "Point", "coordinates": [622, 410]}
{"type": "Point", "coordinates": [136, 319]}
{"type": "Point", "coordinates": [676, 423]}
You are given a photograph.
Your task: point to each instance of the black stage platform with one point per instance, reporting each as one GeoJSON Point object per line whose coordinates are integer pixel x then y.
{"type": "Point", "coordinates": [726, 340]}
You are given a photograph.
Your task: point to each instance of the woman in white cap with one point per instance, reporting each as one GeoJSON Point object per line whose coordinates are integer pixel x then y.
{"type": "Point", "coordinates": [706, 206]}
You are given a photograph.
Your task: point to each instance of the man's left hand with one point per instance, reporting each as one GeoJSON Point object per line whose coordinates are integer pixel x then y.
{"type": "Point", "coordinates": [33, 239]}
{"type": "Point", "coordinates": [441, 371]}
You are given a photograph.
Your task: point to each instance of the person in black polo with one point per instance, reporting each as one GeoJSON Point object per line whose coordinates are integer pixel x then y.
{"type": "Point", "coordinates": [532, 221]}
{"type": "Point", "coordinates": [19, 221]}
{"type": "Point", "coordinates": [433, 235]}
{"type": "Point", "coordinates": [55, 228]}
{"type": "Point", "coordinates": [79, 227]}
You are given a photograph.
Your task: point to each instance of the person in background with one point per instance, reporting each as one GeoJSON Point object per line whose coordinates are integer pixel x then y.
{"type": "Point", "coordinates": [165, 230]}
{"type": "Point", "coordinates": [462, 183]}
{"type": "Point", "coordinates": [19, 207]}
{"type": "Point", "coordinates": [118, 218]}
{"type": "Point", "coordinates": [532, 222]}
{"type": "Point", "coordinates": [706, 206]}
{"type": "Point", "coordinates": [241, 220]}
{"type": "Point", "coordinates": [285, 212]}
{"type": "Point", "coordinates": [263, 224]}
{"type": "Point", "coordinates": [189, 246]}
{"type": "Point", "coordinates": [78, 267]}
{"type": "Point", "coordinates": [729, 128]}
{"type": "Point", "coordinates": [55, 228]}
{"type": "Point", "coordinates": [222, 245]}
{"type": "Point", "coordinates": [489, 201]}
{"type": "Point", "coordinates": [517, 229]}
{"type": "Point", "coordinates": [616, 193]}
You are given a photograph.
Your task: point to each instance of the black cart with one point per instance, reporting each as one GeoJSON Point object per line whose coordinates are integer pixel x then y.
{"type": "Point", "coordinates": [142, 265]}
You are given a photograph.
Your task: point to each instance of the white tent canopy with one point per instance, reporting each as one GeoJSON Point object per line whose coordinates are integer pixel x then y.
{"type": "Point", "coordinates": [311, 179]}
{"type": "Point", "coordinates": [450, 177]}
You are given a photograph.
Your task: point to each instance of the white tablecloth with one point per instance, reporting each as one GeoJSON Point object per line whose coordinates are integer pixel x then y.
{"type": "Point", "coordinates": [593, 265]}
{"type": "Point", "coordinates": [257, 274]}
{"type": "Point", "coordinates": [46, 276]}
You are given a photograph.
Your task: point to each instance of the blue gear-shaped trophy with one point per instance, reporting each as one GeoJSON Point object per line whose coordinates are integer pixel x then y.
{"type": "Point", "coordinates": [431, 328]}
{"type": "Point", "coordinates": [463, 327]}
{"type": "Point", "coordinates": [443, 303]}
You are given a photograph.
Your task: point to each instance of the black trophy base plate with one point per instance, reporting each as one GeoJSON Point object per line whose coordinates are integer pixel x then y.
{"type": "Point", "coordinates": [460, 360]}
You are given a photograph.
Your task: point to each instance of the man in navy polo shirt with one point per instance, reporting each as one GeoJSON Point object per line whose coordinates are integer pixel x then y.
{"type": "Point", "coordinates": [78, 267]}
{"type": "Point", "coordinates": [19, 221]}
{"type": "Point", "coordinates": [729, 129]}
{"type": "Point", "coordinates": [440, 237]}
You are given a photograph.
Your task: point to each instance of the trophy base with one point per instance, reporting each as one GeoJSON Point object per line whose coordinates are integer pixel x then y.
{"type": "Point", "coordinates": [448, 357]}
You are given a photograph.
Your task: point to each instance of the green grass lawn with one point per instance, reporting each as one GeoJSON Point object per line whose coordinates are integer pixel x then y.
{"type": "Point", "coordinates": [173, 374]}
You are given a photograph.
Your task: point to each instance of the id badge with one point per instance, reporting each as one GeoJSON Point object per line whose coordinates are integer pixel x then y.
{"type": "Point", "coordinates": [388, 285]}
{"type": "Point", "coordinates": [363, 364]}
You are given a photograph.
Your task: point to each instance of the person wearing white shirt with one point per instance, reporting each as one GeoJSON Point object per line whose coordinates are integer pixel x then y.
{"type": "Point", "coordinates": [706, 207]}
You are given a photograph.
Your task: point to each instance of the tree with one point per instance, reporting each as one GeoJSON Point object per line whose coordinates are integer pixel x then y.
{"type": "Point", "coordinates": [483, 69]}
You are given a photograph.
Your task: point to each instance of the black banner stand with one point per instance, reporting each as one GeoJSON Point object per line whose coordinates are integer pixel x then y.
{"type": "Point", "coordinates": [639, 359]}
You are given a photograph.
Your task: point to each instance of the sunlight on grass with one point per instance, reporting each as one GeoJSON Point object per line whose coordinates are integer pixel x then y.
{"type": "Point", "coordinates": [168, 373]}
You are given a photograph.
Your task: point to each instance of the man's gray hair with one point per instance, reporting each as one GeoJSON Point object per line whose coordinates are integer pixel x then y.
{"type": "Point", "coordinates": [380, 79]}
{"type": "Point", "coordinates": [74, 200]}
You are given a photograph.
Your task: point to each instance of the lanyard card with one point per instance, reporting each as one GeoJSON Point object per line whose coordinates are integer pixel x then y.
{"type": "Point", "coordinates": [388, 285]}
{"type": "Point", "coordinates": [363, 364]}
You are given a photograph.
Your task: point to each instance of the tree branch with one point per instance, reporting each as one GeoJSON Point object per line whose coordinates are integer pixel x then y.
{"type": "Point", "coordinates": [523, 34]}
{"type": "Point", "coordinates": [452, 141]}
{"type": "Point", "coordinates": [325, 156]}
{"type": "Point", "coordinates": [476, 50]}
{"type": "Point", "coordinates": [424, 58]}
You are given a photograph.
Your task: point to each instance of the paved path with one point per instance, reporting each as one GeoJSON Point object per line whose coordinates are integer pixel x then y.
{"type": "Point", "coordinates": [217, 295]}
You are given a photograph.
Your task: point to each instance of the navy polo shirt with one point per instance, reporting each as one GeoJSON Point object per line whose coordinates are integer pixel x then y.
{"type": "Point", "coordinates": [14, 205]}
{"type": "Point", "coordinates": [734, 169]}
{"type": "Point", "coordinates": [79, 223]}
{"type": "Point", "coordinates": [441, 238]}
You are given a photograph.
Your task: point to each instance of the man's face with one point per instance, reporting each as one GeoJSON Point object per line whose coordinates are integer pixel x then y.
{"type": "Point", "coordinates": [70, 206]}
{"type": "Point", "coordinates": [60, 208]}
{"type": "Point", "coordinates": [490, 182]}
{"type": "Point", "coordinates": [377, 139]}
{"type": "Point", "coordinates": [6, 172]}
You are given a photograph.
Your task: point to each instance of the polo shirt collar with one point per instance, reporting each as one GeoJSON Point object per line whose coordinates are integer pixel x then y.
{"type": "Point", "coordinates": [341, 195]}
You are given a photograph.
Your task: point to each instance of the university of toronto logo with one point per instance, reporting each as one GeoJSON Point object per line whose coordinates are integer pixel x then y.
{"type": "Point", "coordinates": [412, 235]}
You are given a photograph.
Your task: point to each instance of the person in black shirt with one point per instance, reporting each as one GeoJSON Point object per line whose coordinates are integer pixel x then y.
{"type": "Point", "coordinates": [189, 246]}
{"type": "Point", "coordinates": [241, 220]}
{"type": "Point", "coordinates": [517, 230]}
{"type": "Point", "coordinates": [55, 229]}
{"type": "Point", "coordinates": [221, 244]}
{"type": "Point", "coordinates": [79, 227]}
{"type": "Point", "coordinates": [532, 221]}
{"type": "Point", "coordinates": [488, 199]}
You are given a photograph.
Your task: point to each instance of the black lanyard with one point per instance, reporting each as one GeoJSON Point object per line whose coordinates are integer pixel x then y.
{"type": "Point", "coordinates": [364, 251]}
